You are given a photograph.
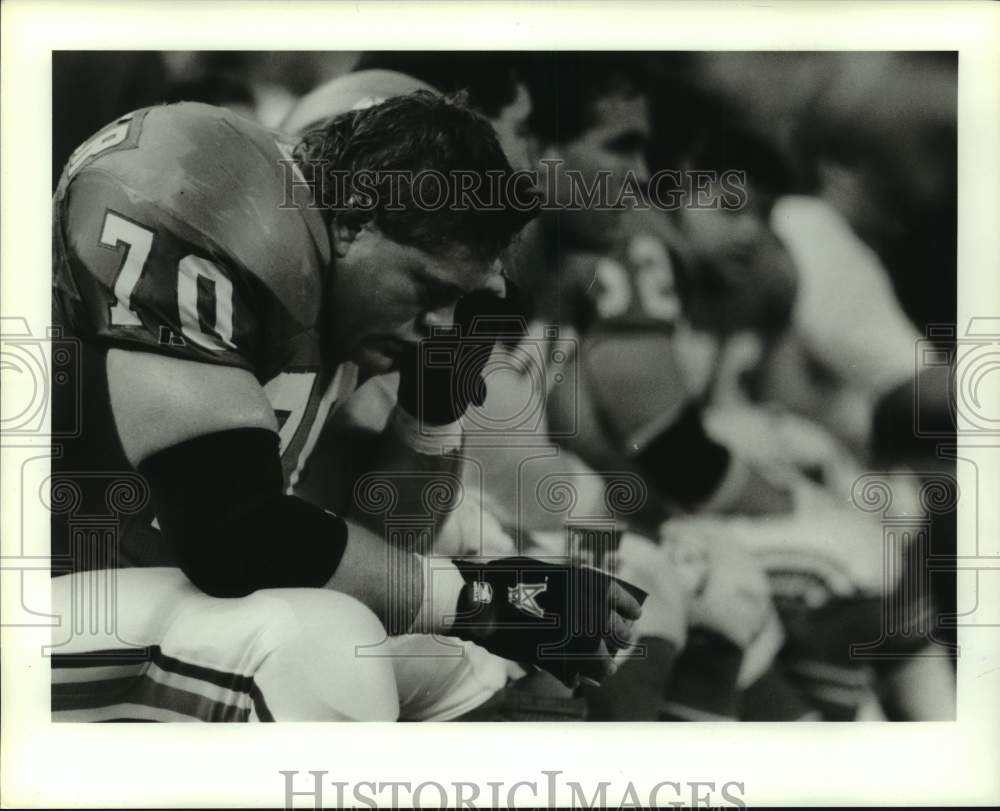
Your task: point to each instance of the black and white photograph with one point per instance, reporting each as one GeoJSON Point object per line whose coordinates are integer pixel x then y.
{"type": "Point", "coordinates": [541, 385]}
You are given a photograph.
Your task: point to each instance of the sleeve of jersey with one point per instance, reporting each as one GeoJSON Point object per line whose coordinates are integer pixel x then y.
{"type": "Point", "coordinates": [148, 280]}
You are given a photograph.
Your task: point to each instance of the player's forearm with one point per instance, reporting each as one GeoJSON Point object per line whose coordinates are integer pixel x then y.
{"type": "Point", "coordinates": [682, 463]}
{"type": "Point", "coordinates": [387, 579]}
{"type": "Point", "coordinates": [689, 468]}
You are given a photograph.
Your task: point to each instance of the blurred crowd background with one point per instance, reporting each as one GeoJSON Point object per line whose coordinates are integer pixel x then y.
{"type": "Point", "coordinates": [797, 332]}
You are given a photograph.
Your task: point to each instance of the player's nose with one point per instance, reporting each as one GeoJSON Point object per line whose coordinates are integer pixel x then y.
{"type": "Point", "coordinates": [496, 283]}
{"type": "Point", "coordinates": [441, 317]}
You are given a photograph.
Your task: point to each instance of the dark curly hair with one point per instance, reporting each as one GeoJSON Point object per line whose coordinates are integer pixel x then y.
{"type": "Point", "coordinates": [382, 163]}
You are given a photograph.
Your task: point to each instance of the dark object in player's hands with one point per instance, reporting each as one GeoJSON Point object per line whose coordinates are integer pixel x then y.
{"type": "Point", "coordinates": [567, 620]}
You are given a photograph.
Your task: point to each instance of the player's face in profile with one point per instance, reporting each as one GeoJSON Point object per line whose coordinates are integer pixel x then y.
{"type": "Point", "coordinates": [615, 144]}
{"type": "Point", "coordinates": [387, 294]}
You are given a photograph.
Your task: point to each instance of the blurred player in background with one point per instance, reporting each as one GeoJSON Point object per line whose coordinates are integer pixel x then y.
{"type": "Point", "coordinates": [616, 286]}
{"type": "Point", "coordinates": [826, 559]}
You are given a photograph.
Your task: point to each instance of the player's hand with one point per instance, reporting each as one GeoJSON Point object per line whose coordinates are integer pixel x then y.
{"type": "Point", "coordinates": [442, 375]}
{"type": "Point", "coordinates": [567, 620]}
{"type": "Point", "coordinates": [650, 567]}
{"type": "Point", "coordinates": [731, 594]}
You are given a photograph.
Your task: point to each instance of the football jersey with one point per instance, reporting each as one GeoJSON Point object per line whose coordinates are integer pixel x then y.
{"type": "Point", "coordinates": [627, 310]}
{"type": "Point", "coordinates": [173, 234]}
{"type": "Point", "coordinates": [632, 286]}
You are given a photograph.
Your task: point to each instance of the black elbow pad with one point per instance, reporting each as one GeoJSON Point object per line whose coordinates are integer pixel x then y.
{"type": "Point", "coordinates": [220, 504]}
{"type": "Point", "coordinates": [683, 463]}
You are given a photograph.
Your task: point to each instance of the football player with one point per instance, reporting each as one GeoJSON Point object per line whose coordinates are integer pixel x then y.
{"type": "Point", "coordinates": [224, 303]}
{"type": "Point", "coordinates": [832, 578]}
{"type": "Point", "coordinates": [616, 284]}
